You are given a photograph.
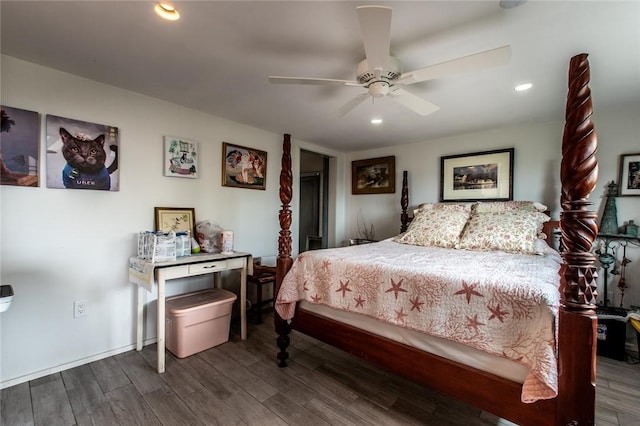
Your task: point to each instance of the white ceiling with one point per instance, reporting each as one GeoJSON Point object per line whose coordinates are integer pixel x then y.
{"type": "Point", "coordinates": [218, 56]}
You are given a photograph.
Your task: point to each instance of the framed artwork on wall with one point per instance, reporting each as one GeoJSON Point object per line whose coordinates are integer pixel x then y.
{"type": "Point", "coordinates": [180, 157]}
{"type": "Point", "coordinates": [629, 175]}
{"type": "Point", "coordinates": [373, 176]}
{"type": "Point", "coordinates": [176, 219]}
{"type": "Point", "coordinates": [19, 146]}
{"type": "Point", "coordinates": [478, 176]}
{"type": "Point", "coordinates": [82, 155]}
{"type": "Point", "coordinates": [243, 167]}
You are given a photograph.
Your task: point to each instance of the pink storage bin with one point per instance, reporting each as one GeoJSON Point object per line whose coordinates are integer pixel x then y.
{"type": "Point", "coordinates": [198, 321]}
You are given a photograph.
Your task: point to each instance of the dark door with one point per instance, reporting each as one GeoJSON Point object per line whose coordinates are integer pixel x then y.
{"type": "Point", "coordinates": [309, 212]}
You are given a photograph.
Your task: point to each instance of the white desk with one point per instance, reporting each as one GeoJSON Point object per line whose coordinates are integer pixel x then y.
{"type": "Point", "coordinates": [143, 274]}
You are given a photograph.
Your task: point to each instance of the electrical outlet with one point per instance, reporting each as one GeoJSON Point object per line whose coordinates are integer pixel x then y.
{"type": "Point", "coordinates": [80, 308]}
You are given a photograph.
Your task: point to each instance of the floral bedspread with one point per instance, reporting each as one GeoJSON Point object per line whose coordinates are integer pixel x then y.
{"type": "Point", "coordinates": [504, 304]}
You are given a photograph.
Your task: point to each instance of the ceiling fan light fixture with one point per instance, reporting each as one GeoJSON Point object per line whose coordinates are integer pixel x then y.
{"type": "Point", "coordinates": [167, 10]}
{"type": "Point", "coordinates": [378, 89]}
{"type": "Point", "coordinates": [381, 74]}
{"type": "Point", "coordinates": [523, 87]}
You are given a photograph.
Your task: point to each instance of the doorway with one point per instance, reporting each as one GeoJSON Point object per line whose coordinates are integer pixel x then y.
{"type": "Point", "coordinates": [314, 208]}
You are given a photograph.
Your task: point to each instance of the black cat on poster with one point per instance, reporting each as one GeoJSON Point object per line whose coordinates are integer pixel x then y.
{"type": "Point", "coordinates": [81, 155]}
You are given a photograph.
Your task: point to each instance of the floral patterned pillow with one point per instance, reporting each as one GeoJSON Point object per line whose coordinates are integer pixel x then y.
{"type": "Point", "coordinates": [514, 231]}
{"type": "Point", "coordinates": [440, 226]}
{"type": "Point", "coordinates": [505, 206]}
{"type": "Point", "coordinates": [445, 206]}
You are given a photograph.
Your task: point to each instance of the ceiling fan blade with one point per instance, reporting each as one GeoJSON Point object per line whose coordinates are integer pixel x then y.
{"type": "Point", "coordinates": [486, 59]}
{"type": "Point", "coordinates": [413, 102]}
{"type": "Point", "coordinates": [375, 26]}
{"type": "Point", "coordinates": [352, 104]}
{"type": "Point", "coordinates": [312, 81]}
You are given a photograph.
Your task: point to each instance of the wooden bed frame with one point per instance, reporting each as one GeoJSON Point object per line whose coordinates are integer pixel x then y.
{"type": "Point", "coordinates": [575, 403]}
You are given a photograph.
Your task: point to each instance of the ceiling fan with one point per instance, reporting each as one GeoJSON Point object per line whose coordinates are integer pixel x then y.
{"type": "Point", "coordinates": [381, 74]}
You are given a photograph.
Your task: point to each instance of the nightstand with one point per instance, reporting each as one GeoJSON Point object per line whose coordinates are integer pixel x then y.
{"type": "Point", "coordinates": [262, 275]}
{"type": "Point", "coordinates": [358, 241]}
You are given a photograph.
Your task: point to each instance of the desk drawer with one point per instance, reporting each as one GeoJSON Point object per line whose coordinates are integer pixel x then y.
{"type": "Point", "coordinates": [198, 268]}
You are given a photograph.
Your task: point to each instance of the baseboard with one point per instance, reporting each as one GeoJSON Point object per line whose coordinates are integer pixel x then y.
{"type": "Point", "coordinates": [66, 366]}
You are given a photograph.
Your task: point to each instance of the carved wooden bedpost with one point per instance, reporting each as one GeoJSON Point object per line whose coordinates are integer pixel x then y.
{"type": "Point", "coordinates": [404, 203]}
{"type": "Point", "coordinates": [284, 261]}
{"type": "Point", "coordinates": [578, 175]}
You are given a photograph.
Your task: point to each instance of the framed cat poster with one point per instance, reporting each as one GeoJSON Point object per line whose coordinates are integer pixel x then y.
{"type": "Point", "coordinates": [19, 147]}
{"type": "Point", "coordinates": [82, 155]}
{"type": "Point", "coordinates": [180, 157]}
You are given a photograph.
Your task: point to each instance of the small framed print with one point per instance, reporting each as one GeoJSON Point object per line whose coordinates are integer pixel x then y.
{"type": "Point", "coordinates": [629, 175]}
{"type": "Point", "coordinates": [180, 157]}
{"type": "Point", "coordinates": [176, 219]}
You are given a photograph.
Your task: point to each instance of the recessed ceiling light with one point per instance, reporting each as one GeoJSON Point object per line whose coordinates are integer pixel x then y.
{"type": "Point", "coordinates": [376, 121]}
{"type": "Point", "coordinates": [510, 4]}
{"type": "Point", "coordinates": [523, 87]}
{"type": "Point", "coordinates": [167, 11]}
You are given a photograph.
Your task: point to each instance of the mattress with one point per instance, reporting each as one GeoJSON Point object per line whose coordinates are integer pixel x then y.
{"type": "Point", "coordinates": [500, 304]}
{"type": "Point", "coordinates": [448, 349]}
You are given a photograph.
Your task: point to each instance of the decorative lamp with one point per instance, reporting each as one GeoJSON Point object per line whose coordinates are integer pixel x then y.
{"type": "Point", "coordinates": [609, 222]}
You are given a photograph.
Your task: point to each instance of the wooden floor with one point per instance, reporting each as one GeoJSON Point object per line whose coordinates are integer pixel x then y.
{"type": "Point", "coordinates": [239, 383]}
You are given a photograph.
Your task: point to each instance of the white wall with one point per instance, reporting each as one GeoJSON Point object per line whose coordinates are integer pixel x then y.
{"type": "Point", "coordinates": [60, 245]}
{"type": "Point", "coordinates": [536, 175]}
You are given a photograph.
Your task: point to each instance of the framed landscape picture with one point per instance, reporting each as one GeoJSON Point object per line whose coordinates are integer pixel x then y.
{"type": "Point", "coordinates": [479, 176]}
{"type": "Point", "coordinates": [373, 176]}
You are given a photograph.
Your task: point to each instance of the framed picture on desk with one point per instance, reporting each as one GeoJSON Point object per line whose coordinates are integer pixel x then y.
{"type": "Point", "coordinates": [176, 219]}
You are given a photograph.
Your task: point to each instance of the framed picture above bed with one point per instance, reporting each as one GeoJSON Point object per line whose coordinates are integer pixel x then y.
{"type": "Point", "coordinates": [478, 176]}
{"type": "Point", "coordinates": [373, 176]}
{"type": "Point", "coordinates": [629, 175]}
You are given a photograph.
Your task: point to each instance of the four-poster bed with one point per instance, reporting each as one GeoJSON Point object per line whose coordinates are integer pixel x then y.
{"type": "Point", "coordinates": [576, 331]}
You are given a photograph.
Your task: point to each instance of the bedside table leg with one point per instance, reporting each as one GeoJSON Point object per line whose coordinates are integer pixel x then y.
{"type": "Point", "coordinates": [259, 304]}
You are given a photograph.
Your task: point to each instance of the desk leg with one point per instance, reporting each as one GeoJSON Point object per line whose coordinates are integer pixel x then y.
{"type": "Point", "coordinates": [140, 309]}
{"type": "Point", "coordinates": [161, 324]}
{"type": "Point", "coordinates": [243, 301]}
